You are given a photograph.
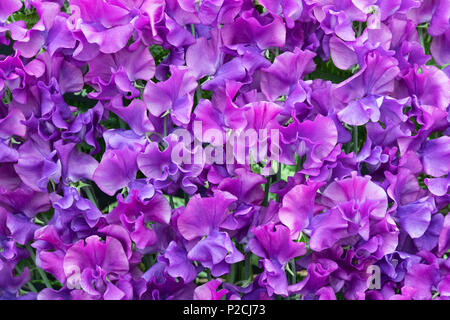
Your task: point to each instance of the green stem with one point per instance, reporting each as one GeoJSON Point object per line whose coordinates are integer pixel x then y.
{"type": "Point", "coordinates": [298, 163]}
{"type": "Point", "coordinates": [44, 217]}
{"type": "Point", "coordinates": [148, 261]}
{"type": "Point", "coordinates": [148, 134]}
{"type": "Point", "coordinates": [421, 38]}
{"type": "Point", "coordinates": [186, 199]}
{"type": "Point", "coordinates": [32, 287]}
{"type": "Point", "coordinates": [266, 192]}
{"type": "Point", "coordinates": [232, 274]}
{"type": "Point", "coordinates": [165, 125]}
{"type": "Point", "coordinates": [278, 179]}
{"type": "Point", "coordinates": [41, 272]}
{"type": "Point", "coordinates": [355, 139]}
{"type": "Point", "coordinates": [91, 195]}
{"type": "Point", "coordinates": [198, 95]}
{"type": "Point", "coordinates": [122, 124]}
{"type": "Point", "coordinates": [28, 284]}
{"type": "Point", "coordinates": [248, 266]}
{"type": "Point", "coordinates": [292, 272]}
{"type": "Point", "coordinates": [172, 205]}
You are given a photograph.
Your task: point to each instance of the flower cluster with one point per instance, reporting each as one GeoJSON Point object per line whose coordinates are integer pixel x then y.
{"type": "Point", "coordinates": [352, 205]}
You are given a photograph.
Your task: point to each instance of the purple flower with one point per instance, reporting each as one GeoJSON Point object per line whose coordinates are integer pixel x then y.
{"type": "Point", "coordinates": [208, 291]}
{"type": "Point", "coordinates": [175, 94]}
{"type": "Point", "coordinates": [74, 217]}
{"type": "Point", "coordinates": [314, 285]}
{"type": "Point", "coordinates": [298, 207]}
{"type": "Point", "coordinates": [430, 86]}
{"type": "Point", "coordinates": [8, 7]}
{"type": "Point", "coordinates": [216, 251]}
{"type": "Point", "coordinates": [444, 236]}
{"type": "Point", "coordinates": [36, 165]}
{"type": "Point", "coordinates": [279, 79]}
{"type": "Point", "coordinates": [137, 216]}
{"type": "Point", "coordinates": [130, 167]}
{"type": "Point", "coordinates": [75, 165]}
{"type": "Point", "coordinates": [178, 264]}
{"type": "Point", "coordinates": [440, 48]}
{"type": "Point", "coordinates": [423, 277]}
{"type": "Point", "coordinates": [262, 31]}
{"type": "Point", "coordinates": [352, 203]}
{"type": "Point", "coordinates": [96, 269]}
{"type": "Point", "coordinates": [290, 10]}
{"type": "Point", "coordinates": [434, 155]}
{"type": "Point", "coordinates": [116, 170]}
{"type": "Point", "coordinates": [314, 138]}
{"type": "Point", "coordinates": [415, 217]}
{"type": "Point", "coordinates": [167, 171]}
{"type": "Point", "coordinates": [161, 286]}
{"type": "Point", "coordinates": [114, 74]}
{"type": "Point", "coordinates": [273, 243]}
{"type": "Point", "coordinates": [361, 93]}
{"type": "Point", "coordinates": [103, 24]}
{"type": "Point", "coordinates": [200, 224]}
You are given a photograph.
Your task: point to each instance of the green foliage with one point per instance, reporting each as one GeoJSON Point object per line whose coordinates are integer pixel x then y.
{"type": "Point", "coordinates": [66, 7]}
{"type": "Point", "coordinates": [7, 98]}
{"type": "Point", "coordinates": [359, 136]}
{"type": "Point", "coordinates": [420, 180]}
{"type": "Point", "coordinates": [158, 53]}
{"type": "Point", "coordinates": [175, 201]}
{"type": "Point", "coordinates": [30, 16]}
{"type": "Point", "coordinates": [359, 27]}
{"type": "Point", "coordinates": [112, 122]}
{"type": "Point", "coordinates": [84, 147]}
{"type": "Point", "coordinates": [80, 100]}
{"type": "Point", "coordinates": [445, 210]}
{"type": "Point", "coordinates": [326, 70]}
{"type": "Point", "coordinates": [259, 7]}
{"type": "Point", "coordinates": [271, 54]}
{"type": "Point", "coordinates": [425, 41]}
{"type": "Point", "coordinates": [39, 279]}
{"type": "Point", "coordinates": [287, 171]}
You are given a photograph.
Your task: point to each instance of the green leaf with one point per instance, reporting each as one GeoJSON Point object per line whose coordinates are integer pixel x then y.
{"type": "Point", "coordinates": [158, 53]}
